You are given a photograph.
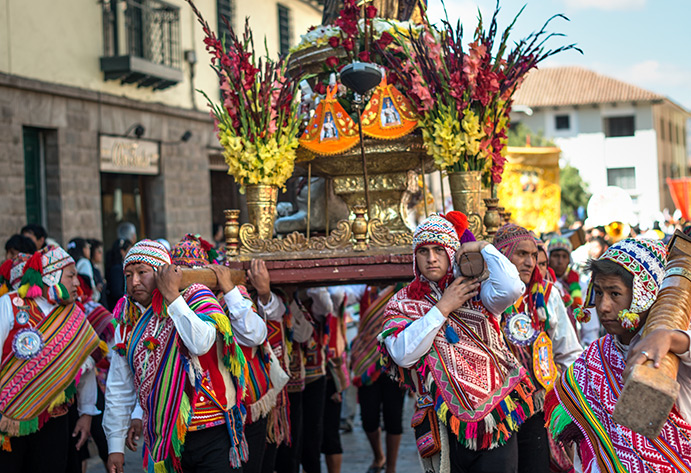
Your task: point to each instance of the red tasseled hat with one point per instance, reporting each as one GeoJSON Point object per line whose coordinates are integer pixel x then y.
{"type": "Point", "coordinates": [459, 221]}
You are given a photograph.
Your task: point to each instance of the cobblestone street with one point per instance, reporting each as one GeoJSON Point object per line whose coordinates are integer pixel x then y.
{"type": "Point", "coordinates": [357, 455]}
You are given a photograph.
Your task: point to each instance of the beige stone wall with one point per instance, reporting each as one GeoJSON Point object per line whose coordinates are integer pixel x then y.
{"type": "Point", "coordinates": [62, 41]}
{"type": "Point", "coordinates": [179, 198]}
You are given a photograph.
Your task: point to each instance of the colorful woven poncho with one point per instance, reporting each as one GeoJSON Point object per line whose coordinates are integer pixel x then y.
{"type": "Point", "coordinates": [161, 379]}
{"type": "Point", "coordinates": [580, 409]}
{"type": "Point", "coordinates": [365, 358]}
{"type": "Point", "coordinates": [31, 388]}
{"type": "Point", "coordinates": [480, 389]}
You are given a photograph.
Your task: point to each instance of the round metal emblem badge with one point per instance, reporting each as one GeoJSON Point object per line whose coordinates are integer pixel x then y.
{"type": "Point", "coordinates": [27, 343]}
{"type": "Point", "coordinates": [22, 317]}
{"type": "Point", "coordinates": [519, 329]}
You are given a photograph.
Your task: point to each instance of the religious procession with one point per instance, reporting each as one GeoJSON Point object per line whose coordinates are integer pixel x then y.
{"type": "Point", "coordinates": [372, 255]}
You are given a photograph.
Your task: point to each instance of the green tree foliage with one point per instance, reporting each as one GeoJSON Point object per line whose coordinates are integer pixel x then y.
{"type": "Point", "coordinates": [574, 193]}
{"type": "Point", "coordinates": [518, 134]}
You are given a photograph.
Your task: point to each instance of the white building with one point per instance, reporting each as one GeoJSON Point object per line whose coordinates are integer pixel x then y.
{"type": "Point", "coordinates": [615, 133]}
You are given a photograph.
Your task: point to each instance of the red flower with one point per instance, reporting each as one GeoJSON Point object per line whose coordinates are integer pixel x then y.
{"type": "Point", "coordinates": [334, 41]}
{"type": "Point", "coordinates": [364, 56]}
{"type": "Point", "coordinates": [385, 40]}
{"type": "Point", "coordinates": [370, 11]}
{"type": "Point", "coordinates": [320, 88]}
{"type": "Point", "coordinates": [348, 44]}
{"type": "Point", "coordinates": [331, 62]}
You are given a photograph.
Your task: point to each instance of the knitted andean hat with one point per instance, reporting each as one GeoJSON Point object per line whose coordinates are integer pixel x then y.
{"type": "Point", "coordinates": [148, 252]}
{"type": "Point", "coordinates": [193, 251]}
{"type": "Point", "coordinates": [44, 268]}
{"type": "Point", "coordinates": [439, 230]}
{"type": "Point", "coordinates": [18, 264]}
{"type": "Point", "coordinates": [510, 235]}
{"type": "Point", "coordinates": [646, 261]}
{"type": "Point", "coordinates": [559, 243]}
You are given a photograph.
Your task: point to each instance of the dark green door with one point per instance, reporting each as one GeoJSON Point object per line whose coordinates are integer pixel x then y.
{"type": "Point", "coordinates": [33, 175]}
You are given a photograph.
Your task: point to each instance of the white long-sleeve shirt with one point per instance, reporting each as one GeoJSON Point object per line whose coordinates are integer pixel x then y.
{"type": "Point", "coordinates": [273, 310]}
{"type": "Point", "coordinates": [87, 388]}
{"type": "Point", "coordinates": [248, 326]}
{"type": "Point", "coordinates": [498, 292]}
{"type": "Point", "coordinates": [197, 335]}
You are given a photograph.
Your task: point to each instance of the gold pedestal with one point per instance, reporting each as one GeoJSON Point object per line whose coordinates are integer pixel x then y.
{"type": "Point", "coordinates": [261, 208]}
{"type": "Point", "coordinates": [389, 196]}
{"type": "Point", "coordinates": [492, 218]}
{"type": "Point", "coordinates": [393, 167]}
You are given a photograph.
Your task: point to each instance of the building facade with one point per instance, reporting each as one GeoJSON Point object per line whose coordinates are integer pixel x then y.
{"type": "Point", "coordinates": [614, 133]}
{"type": "Point", "coordinates": [100, 121]}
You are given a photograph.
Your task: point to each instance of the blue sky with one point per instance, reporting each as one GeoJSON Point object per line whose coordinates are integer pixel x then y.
{"type": "Point", "coordinates": [643, 42]}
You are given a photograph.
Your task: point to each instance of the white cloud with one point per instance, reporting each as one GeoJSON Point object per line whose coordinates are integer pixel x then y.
{"type": "Point", "coordinates": [669, 79]}
{"type": "Point", "coordinates": [606, 4]}
{"type": "Point", "coordinates": [464, 10]}
{"type": "Point", "coordinates": [650, 74]}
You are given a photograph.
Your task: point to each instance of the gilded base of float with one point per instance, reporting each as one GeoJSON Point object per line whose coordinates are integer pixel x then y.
{"type": "Point", "coordinates": [350, 237]}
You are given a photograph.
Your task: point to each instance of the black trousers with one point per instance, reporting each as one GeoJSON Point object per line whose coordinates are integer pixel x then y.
{"type": "Point", "coordinates": [74, 456]}
{"type": "Point", "coordinates": [331, 442]}
{"type": "Point", "coordinates": [313, 424]}
{"type": "Point", "coordinates": [269, 462]}
{"type": "Point", "coordinates": [255, 433]}
{"type": "Point", "coordinates": [97, 434]}
{"type": "Point", "coordinates": [45, 450]}
{"type": "Point", "coordinates": [533, 446]}
{"type": "Point", "coordinates": [206, 451]}
{"type": "Point", "coordinates": [288, 457]}
{"type": "Point", "coordinates": [502, 459]}
{"type": "Point", "coordinates": [384, 396]}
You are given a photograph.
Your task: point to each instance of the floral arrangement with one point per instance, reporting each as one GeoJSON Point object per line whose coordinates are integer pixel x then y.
{"type": "Point", "coordinates": [463, 95]}
{"type": "Point", "coordinates": [257, 121]}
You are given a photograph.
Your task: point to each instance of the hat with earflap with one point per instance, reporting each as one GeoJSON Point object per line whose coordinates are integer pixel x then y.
{"type": "Point", "coordinates": [193, 251]}
{"type": "Point", "coordinates": [44, 269]}
{"type": "Point", "coordinates": [646, 260]}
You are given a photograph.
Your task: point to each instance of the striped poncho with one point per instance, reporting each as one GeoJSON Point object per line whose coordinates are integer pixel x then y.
{"type": "Point", "coordinates": [31, 388]}
{"type": "Point", "coordinates": [161, 364]}
{"type": "Point", "coordinates": [580, 409]}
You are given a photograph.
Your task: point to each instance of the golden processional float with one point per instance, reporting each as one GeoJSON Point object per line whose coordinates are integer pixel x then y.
{"type": "Point", "coordinates": [363, 108]}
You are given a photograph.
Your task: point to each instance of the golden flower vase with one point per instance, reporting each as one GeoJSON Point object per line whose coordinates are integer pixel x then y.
{"type": "Point", "coordinates": [466, 194]}
{"type": "Point", "coordinates": [261, 208]}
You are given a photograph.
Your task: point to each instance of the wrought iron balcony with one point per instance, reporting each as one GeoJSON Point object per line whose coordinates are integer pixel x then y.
{"type": "Point", "coordinates": [141, 41]}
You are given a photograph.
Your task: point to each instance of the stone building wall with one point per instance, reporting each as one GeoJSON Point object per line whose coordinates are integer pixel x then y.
{"type": "Point", "coordinates": [179, 198]}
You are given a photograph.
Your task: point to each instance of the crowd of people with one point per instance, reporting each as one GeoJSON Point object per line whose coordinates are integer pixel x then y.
{"type": "Point", "coordinates": [514, 351]}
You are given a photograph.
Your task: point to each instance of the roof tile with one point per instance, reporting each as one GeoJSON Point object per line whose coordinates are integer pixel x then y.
{"type": "Point", "coordinates": [559, 86]}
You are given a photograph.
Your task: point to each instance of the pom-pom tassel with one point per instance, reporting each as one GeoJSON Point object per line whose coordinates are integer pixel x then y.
{"type": "Point", "coordinates": [33, 292]}
{"type": "Point", "coordinates": [451, 335]}
{"type": "Point", "coordinates": [6, 270]}
{"type": "Point", "coordinates": [582, 315]}
{"type": "Point", "coordinates": [629, 320]}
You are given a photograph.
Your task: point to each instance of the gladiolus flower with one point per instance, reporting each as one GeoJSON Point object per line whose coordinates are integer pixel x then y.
{"type": "Point", "coordinates": [370, 11]}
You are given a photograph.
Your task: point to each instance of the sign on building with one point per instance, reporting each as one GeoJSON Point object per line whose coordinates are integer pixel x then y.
{"type": "Point", "coordinates": [129, 155]}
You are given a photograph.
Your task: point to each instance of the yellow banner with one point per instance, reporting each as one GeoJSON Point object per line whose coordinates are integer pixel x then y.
{"type": "Point", "coordinates": [530, 188]}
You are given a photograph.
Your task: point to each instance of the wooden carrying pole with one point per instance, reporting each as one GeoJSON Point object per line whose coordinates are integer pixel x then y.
{"type": "Point", "coordinates": [207, 277]}
{"type": "Point", "coordinates": [649, 393]}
